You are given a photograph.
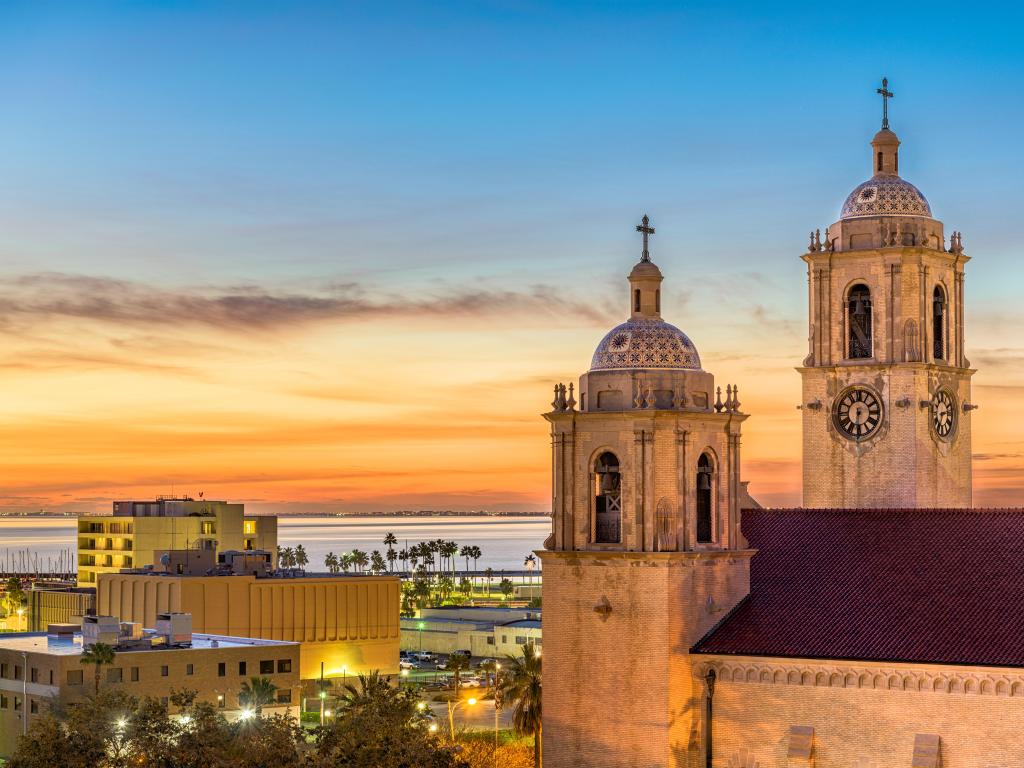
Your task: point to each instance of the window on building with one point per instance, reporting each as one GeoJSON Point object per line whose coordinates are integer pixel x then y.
{"type": "Point", "coordinates": [657, 300]}
{"type": "Point", "coordinates": [221, 701]}
{"type": "Point", "coordinates": [33, 707]}
{"type": "Point", "coordinates": [636, 300]}
{"type": "Point", "coordinates": [222, 669]}
{"type": "Point", "coordinates": [135, 674]}
{"type": "Point", "coordinates": [607, 499]}
{"type": "Point", "coordinates": [520, 640]}
{"type": "Point", "coordinates": [190, 669]}
{"type": "Point", "coordinates": [284, 665]}
{"type": "Point", "coordinates": [939, 323]}
{"type": "Point", "coordinates": [504, 639]}
{"type": "Point", "coordinates": [490, 640]}
{"type": "Point", "coordinates": [51, 677]}
{"type": "Point", "coordinates": [34, 675]}
{"type": "Point", "coordinates": [266, 666]}
{"type": "Point", "coordinates": [249, 527]}
{"type": "Point", "coordinates": [114, 675]}
{"type": "Point", "coordinates": [284, 696]}
{"type": "Point", "coordinates": [4, 702]}
{"type": "Point", "coordinates": [858, 316]}
{"type": "Point", "coordinates": [241, 667]}
{"type": "Point", "coordinates": [75, 676]}
{"type": "Point", "coordinates": [4, 671]}
{"type": "Point", "coordinates": [19, 673]}
{"type": "Point", "coordinates": [705, 498]}
{"type": "Point", "coordinates": [164, 671]}
{"type": "Point", "coordinates": [17, 704]}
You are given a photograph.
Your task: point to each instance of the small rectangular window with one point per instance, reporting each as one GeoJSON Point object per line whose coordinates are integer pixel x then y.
{"type": "Point", "coordinates": [266, 666]}
{"type": "Point", "coordinates": [222, 669]}
{"type": "Point", "coordinates": [75, 676]}
{"type": "Point", "coordinates": [19, 673]}
{"type": "Point", "coordinates": [284, 665]}
{"type": "Point", "coordinates": [4, 703]}
{"type": "Point", "coordinates": [34, 675]}
{"type": "Point", "coordinates": [33, 707]}
{"type": "Point", "coordinates": [164, 671]}
{"type": "Point", "coordinates": [51, 677]}
{"type": "Point", "coordinates": [114, 675]}
{"type": "Point", "coordinates": [135, 674]}
{"type": "Point", "coordinates": [520, 640]}
{"type": "Point", "coordinates": [284, 697]}
{"type": "Point", "coordinates": [17, 704]}
{"type": "Point", "coordinates": [190, 669]}
{"type": "Point", "coordinates": [490, 640]}
{"type": "Point", "coordinates": [3, 670]}
{"type": "Point", "coordinates": [241, 667]}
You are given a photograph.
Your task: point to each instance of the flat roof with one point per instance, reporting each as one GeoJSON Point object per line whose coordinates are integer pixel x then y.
{"type": "Point", "coordinates": [71, 645]}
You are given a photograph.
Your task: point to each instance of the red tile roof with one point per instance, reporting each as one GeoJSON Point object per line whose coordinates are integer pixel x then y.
{"type": "Point", "coordinates": [919, 585]}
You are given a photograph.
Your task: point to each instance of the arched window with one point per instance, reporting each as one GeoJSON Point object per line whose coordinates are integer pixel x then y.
{"type": "Point", "coordinates": [705, 498]}
{"type": "Point", "coordinates": [858, 316]}
{"type": "Point", "coordinates": [939, 323]}
{"type": "Point", "coordinates": [607, 499]}
{"type": "Point", "coordinates": [636, 300]}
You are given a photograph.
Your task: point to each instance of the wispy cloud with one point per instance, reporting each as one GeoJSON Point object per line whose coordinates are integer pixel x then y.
{"type": "Point", "coordinates": [30, 298]}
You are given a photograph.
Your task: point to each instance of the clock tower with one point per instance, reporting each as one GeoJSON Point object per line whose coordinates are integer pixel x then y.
{"type": "Point", "coordinates": [886, 386]}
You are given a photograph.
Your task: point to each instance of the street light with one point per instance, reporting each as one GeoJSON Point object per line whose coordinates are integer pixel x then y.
{"type": "Point", "coordinates": [452, 706]}
{"type": "Point", "coordinates": [420, 625]}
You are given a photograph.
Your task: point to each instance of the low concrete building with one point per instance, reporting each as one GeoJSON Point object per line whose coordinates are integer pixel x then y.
{"type": "Point", "coordinates": [348, 623]}
{"type": "Point", "coordinates": [496, 632]}
{"type": "Point", "coordinates": [59, 605]}
{"type": "Point", "coordinates": [36, 667]}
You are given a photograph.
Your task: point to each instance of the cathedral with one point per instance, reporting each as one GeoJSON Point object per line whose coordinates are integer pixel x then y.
{"type": "Point", "coordinates": [880, 625]}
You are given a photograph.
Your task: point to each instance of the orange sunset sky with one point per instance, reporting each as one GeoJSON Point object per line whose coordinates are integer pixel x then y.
{"type": "Point", "coordinates": [336, 262]}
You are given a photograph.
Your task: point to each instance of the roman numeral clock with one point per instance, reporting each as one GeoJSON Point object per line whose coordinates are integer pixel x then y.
{"type": "Point", "coordinates": [858, 413]}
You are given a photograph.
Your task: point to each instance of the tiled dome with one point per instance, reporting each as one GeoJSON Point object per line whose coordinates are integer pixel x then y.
{"type": "Point", "coordinates": [645, 343]}
{"type": "Point", "coordinates": [885, 195]}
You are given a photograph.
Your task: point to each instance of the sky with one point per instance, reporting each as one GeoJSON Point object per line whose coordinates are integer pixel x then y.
{"type": "Point", "coordinates": [332, 257]}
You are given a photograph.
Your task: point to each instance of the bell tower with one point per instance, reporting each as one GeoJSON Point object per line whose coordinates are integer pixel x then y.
{"type": "Point", "coordinates": [886, 386]}
{"type": "Point", "coordinates": [645, 550]}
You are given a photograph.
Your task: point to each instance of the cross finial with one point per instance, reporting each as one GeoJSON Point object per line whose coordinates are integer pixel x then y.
{"type": "Point", "coordinates": [886, 95]}
{"type": "Point", "coordinates": [646, 229]}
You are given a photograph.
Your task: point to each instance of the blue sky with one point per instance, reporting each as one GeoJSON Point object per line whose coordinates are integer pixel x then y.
{"type": "Point", "coordinates": [408, 151]}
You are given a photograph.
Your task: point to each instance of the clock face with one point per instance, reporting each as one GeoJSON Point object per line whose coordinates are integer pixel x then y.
{"type": "Point", "coordinates": [943, 414]}
{"type": "Point", "coordinates": [858, 413]}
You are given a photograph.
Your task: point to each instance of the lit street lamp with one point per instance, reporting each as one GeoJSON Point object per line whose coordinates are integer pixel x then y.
{"type": "Point", "coordinates": [452, 706]}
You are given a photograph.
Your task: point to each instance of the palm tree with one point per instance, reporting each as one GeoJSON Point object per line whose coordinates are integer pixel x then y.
{"type": "Point", "coordinates": [331, 562]}
{"type": "Point", "coordinates": [301, 559]}
{"type": "Point", "coordinates": [476, 554]}
{"type": "Point", "coordinates": [465, 552]}
{"type": "Point", "coordinates": [530, 563]}
{"type": "Point", "coordinates": [345, 561]}
{"type": "Point", "coordinates": [392, 556]}
{"type": "Point", "coordinates": [258, 693]}
{"type": "Point", "coordinates": [489, 573]}
{"type": "Point", "coordinates": [286, 557]}
{"type": "Point", "coordinates": [377, 562]}
{"type": "Point", "coordinates": [456, 664]}
{"type": "Point", "coordinates": [403, 555]}
{"type": "Point", "coordinates": [521, 685]}
{"type": "Point", "coordinates": [98, 654]}
{"type": "Point", "coordinates": [360, 559]}
{"type": "Point", "coordinates": [390, 540]}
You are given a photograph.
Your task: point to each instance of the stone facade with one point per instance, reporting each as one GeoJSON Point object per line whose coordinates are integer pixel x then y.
{"type": "Point", "coordinates": [864, 714]}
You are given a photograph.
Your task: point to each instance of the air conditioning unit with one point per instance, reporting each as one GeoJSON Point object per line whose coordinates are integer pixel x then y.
{"type": "Point", "coordinates": [100, 629]}
{"type": "Point", "coordinates": [175, 628]}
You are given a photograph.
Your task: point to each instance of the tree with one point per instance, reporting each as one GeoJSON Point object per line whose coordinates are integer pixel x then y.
{"type": "Point", "coordinates": [331, 562]}
{"type": "Point", "coordinates": [301, 559]}
{"type": "Point", "coordinates": [98, 654]}
{"type": "Point", "coordinates": [378, 725]}
{"type": "Point", "coordinates": [390, 540]}
{"type": "Point", "coordinates": [457, 664]}
{"type": "Point", "coordinates": [377, 562]}
{"type": "Point", "coordinates": [14, 595]}
{"type": "Point", "coordinates": [445, 587]}
{"type": "Point", "coordinates": [257, 693]}
{"type": "Point", "coordinates": [403, 555]}
{"type": "Point", "coordinates": [465, 552]}
{"type": "Point", "coordinates": [521, 685]}
{"type": "Point", "coordinates": [465, 587]}
{"type": "Point", "coordinates": [476, 554]}
{"type": "Point", "coordinates": [392, 556]}
{"type": "Point", "coordinates": [360, 559]}
{"type": "Point", "coordinates": [506, 588]}
{"type": "Point", "coordinates": [286, 557]}
{"type": "Point", "coordinates": [489, 573]}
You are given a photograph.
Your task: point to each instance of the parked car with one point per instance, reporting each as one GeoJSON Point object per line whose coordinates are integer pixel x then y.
{"type": "Point", "coordinates": [407, 664]}
{"type": "Point", "coordinates": [469, 682]}
{"type": "Point", "coordinates": [486, 663]}
{"type": "Point", "coordinates": [442, 664]}
{"type": "Point", "coordinates": [463, 652]}
{"type": "Point", "coordinates": [423, 656]}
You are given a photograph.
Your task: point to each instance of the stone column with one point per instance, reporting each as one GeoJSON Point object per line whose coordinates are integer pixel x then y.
{"type": "Point", "coordinates": [682, 485]}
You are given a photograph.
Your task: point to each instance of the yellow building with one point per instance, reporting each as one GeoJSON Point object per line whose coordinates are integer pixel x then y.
{"type": "Point", "coordinates": [348, 623]}
{"type": "Point", "coordinates": [139, 532]}
{"type": "Point", "coordinates": [37, 667]}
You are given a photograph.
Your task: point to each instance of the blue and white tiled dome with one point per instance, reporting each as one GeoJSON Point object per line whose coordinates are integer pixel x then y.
{"type": "Point", "coordinates": [645, 343]}
{"type": "Point", "coordinates": [885, 195]}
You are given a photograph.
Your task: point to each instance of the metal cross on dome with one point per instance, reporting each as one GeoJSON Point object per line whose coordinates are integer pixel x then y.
{"type": "Point", "coordinates": [886, 95]}
{"type": "Point", "coordinates": [647, 230]}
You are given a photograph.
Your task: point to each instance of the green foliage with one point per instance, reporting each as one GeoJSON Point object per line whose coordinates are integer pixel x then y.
{"type": "Point", "coordinates": [506, 588]}
{"type": "Point", "coordinates": [98, 654]}
{"type": "Point", "coordinates": [257, 693]}
{"type": "Point", "coordinates": [521, 686]}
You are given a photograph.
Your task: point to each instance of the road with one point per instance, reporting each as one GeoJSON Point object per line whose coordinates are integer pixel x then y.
{"type": "Point", "coordinates": [475, 717]}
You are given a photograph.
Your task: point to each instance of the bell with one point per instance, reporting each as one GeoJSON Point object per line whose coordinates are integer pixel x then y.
{"type": "Point", "coordinates": [858, 307]}
{"type": "Point", "coordinates": [703, 481]}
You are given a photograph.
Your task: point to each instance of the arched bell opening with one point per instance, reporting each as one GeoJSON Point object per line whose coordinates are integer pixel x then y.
{"type": "Point", "coordinates": [607, 499]}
